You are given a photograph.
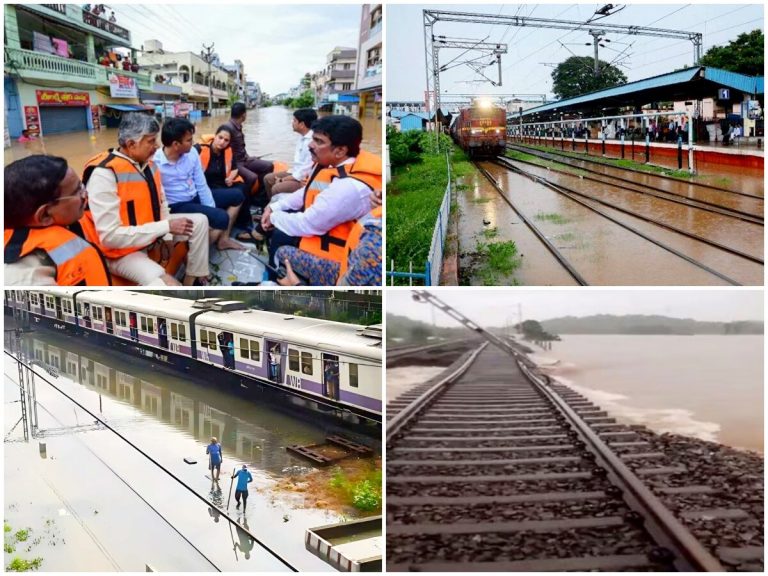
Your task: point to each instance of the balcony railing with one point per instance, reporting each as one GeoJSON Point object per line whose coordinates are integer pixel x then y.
{"type": "Point", "coordinates": [50, 67]}
{"type": "Point", "coordinates": [28, 60]}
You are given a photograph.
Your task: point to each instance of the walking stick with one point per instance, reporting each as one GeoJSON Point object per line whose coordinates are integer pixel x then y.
{"type": "Point", "coordinates": [231, 480]}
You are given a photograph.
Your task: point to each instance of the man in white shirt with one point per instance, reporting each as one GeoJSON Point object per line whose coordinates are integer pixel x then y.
{"type": "Point", "coordinates": [337, 192]}
{"type": "Point", "coordinates": [284, 182]}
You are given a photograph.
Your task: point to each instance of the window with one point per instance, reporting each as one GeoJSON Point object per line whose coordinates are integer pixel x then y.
{"type": "Point", "coordinates": [98, 313]}
{"type": "Point", "coordinates": [243, 348]}
{"type": "Point", "coordinates": [49, 301]}
{"type": "Point", "coordinates": [143, 324]}
{"type": "Point", "coordinates": [212, 340]}
{"type": "Point", "coordinates": [255, 350]}
{"type": "Point", "coordinates": [203, 338]}
{"type": "Point", "coordinates": [174, 331]}
{"type": "Point", "coordinates": [353, 381]}
{"type": "Point", "coordinates": [182, 332]}
{"type": "Point", "coordinates": [293, 360]}
{"type": "Point", "coordinates": [33, 299]}
{"type": "Point", "coordinates": [150, 325]}
{"type": "Point", "coordinates": [306, 363]}
{"type": "Point", "coordinates": [346, 86]}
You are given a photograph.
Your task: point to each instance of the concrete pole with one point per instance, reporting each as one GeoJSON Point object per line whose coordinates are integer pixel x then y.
{"type": "Point", "coordinates": [691, 168]}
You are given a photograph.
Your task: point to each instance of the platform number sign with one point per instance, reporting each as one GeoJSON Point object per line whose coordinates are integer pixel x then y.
{"type": "Point", "coordinates": [724, 94]}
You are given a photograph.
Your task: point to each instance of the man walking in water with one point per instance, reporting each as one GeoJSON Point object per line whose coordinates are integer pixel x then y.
{"type": "Point", "coordinates": [214, 450]}
{"type": "Point", "coordinates": [243, 478]}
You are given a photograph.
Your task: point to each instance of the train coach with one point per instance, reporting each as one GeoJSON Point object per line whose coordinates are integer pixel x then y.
{"type": "Point", "coordinates": [481, 129]}
{"type": "Point", "coordinates": [337, 364]}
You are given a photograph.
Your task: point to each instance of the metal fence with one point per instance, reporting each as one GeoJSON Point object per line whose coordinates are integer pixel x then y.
{"type": "Point", "coordinates": [434, 262]}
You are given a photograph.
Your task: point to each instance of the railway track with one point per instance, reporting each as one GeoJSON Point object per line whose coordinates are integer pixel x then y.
{"type": "Point", "coordinates": [722, 202]}
{"type": "Point", "coordinates": [581, 157]}
{"type": "Point", "coordinates": [491, 467]}
{"type": "Point", "coordinates": [599, 206]}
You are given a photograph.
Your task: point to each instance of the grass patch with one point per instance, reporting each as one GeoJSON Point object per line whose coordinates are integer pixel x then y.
{"type": "Point", "coordinates": [491, 232]}
{"type": "Point", "coordinates": [22, 535]}
{"type": "Point", "coordinates": [481, 200]}
{"type": "Point", "coordinates": [552, 217]}
{"type": "Point", "coordinates": [413, 201]}
{"type": "Point", "coordinates": [21, 565]}
{"type": "Point", "coordinates": [364, 493]}
{"type": "Point", "coordinates": [567, 237]}
{"type": "Point", "coordinates": [7, 527]}
{"type": "Point", "coordinates": [496, 261]}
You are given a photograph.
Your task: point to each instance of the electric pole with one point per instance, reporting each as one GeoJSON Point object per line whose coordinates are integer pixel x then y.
{"type": "Point", "coordinates": [207, 55]}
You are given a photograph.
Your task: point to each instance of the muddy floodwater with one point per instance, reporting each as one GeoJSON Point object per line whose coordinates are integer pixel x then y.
{"type": "Point", "coordinates": [705, 386]}
{"type": "Point", "coordinates": [94, 503]}
{"type": "Point", "coordinates": [400, 380]}
{"type": "Point", "coordinates": [603, 252]}
{"type": "Point", "coordinates": [267, 131]}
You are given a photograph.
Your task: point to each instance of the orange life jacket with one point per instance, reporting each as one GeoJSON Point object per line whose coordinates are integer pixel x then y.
{"type": "Point", "coordinates": [141, 196]}
{"type": "Point", "coordinates": [373, 218]}
{"type": "Point", "coordinates": [77, 262]}
{"type": "Point", "coordinates": [204, 149]}
{"type": "Point", "coordinates": [332, 245]}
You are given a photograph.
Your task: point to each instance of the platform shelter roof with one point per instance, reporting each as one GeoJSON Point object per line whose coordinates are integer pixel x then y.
{"type": "Point", "coordinates": [689, 84]}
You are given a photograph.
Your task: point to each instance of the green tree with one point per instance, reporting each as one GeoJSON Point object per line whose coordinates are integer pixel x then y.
{"type": "Point", "coordinates": [576, 76]}
{"type": "Point", "coordinates": [306, 80]}
{"type": "Point", "coordinates": [533, 331]}
{"type": "Point", "coordinates": [306, 100]}
{"type": "Point", "coordinates": [744, 55]}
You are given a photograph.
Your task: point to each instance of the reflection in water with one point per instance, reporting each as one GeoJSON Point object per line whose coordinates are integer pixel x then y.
{"type": "Point", "coordinates": [267, 132]}
{"type": "Point", "coordinates": [248, 432]}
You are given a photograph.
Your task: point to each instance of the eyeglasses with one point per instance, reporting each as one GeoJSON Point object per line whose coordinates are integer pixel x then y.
{"type": "Point", "coordinates": [79, 193]}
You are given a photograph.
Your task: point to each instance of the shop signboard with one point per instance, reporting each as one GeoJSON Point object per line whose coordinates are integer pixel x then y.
{"type": "Point", "coordinates": [32, 120]}
{"type": "Point", "coordinates": [57, 98]}
{"type": "Point", "coordinates": [122, 86]}
{"type": "Point", "coordinates": [182, 109]}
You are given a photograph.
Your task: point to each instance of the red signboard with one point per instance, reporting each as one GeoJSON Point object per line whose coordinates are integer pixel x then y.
{"type": "Point", "coordinates": [32, 120]}
{"type": "Point", "coordinates": [56, 98]}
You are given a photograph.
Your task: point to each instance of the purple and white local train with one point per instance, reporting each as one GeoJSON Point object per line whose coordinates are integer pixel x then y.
{"type": "Point", "coordinates": [334, 363]}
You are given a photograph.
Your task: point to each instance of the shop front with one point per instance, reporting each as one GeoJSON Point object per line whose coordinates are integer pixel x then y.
{"type": "Point", "coordinates": [59, 112]}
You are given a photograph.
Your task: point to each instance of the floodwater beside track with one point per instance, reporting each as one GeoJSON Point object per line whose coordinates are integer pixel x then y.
{"type": "Point", "coordinates": [170, 416]}
{"type": "Point", "coordinates": [743, 236]}
{"type": "Point", "coordinates": [603, 252]}
{"type": "Point", "coordinates": [267, 132]}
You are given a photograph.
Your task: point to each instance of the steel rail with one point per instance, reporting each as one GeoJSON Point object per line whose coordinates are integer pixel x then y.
{"type": "Point", "coordinates": [707, 206]}
{"type": "Point", "coordinates": [658, 520]}
{"type": "Point", "coordinates": [407, 414]}
{"type": "Point", "coordinates": [539, 234]}
{"type": "Point", "coordinates": [585, 158]}
{"type": "Point", "coordinates": [659, 223]}
{"type": "Point", "coordinates": [569, 194]}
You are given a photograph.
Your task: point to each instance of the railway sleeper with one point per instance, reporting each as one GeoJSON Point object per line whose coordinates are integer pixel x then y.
{"type": "Point", "coordinates": [500, 449]}
{"type": "Point", "coordinates": [511, 462]}
{"type": "Point", "coordinates": [484, 479]}
{"type": "Point", "coordinates": [498, 500]}
{"type": "Point", "coordinates": [477, 528]}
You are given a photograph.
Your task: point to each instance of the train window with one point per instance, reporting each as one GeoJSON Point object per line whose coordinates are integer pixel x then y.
{"type": "Point", "coordinates": [33, 299]}
{"type": "Point", "coordinates": [203, 338]}
{"type": "Point", "coordinates": [306, 363]}
{"type": "Point", "coordinates": [212, 340]}
{"type": "Point", "coordinates": [243, 348]}
{"type": "Point", "coordinates": [293, 359]}
{"type": "Point", "coordinates": [143, 324]}
{"type": "Point", "coordinates": [150, 325]}
{"type": "Point", "coordinates": [353, 381]}
{"type": "Point", "coordinates": [182, 333]}
{"type": "Point", "coordinates": [255, 350]}
{"type": "Point", "coordinates": [174, 331]}
{"type": "Point", "coordinates": [97, 313]}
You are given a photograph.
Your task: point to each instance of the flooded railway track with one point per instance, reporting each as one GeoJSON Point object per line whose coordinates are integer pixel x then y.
{"type": "Point", "coordinates": [607, 169]}
{"type": "Point", "coordinates": [495, 468]}
{"type": "Point", "coordinates": [665, 253]}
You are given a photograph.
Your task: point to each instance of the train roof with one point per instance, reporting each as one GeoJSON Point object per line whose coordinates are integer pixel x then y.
{"type": "Point", "coordinates": [348, 338]}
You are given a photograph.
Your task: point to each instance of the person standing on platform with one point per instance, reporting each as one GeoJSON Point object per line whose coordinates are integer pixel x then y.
{"type": "Point", "coordinates": [284, 182]}
{"type": "Point", "coordinates": [216, 458]}
{"type": "Point", "coordinates": [243, 478]}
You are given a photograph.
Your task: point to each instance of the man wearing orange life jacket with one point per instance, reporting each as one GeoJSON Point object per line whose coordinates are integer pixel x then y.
{"type": "Point", "coordinates": [360, 267]}
{"type": "Point", "coordinates": [319, 218]}
{"type": "Point", "coordinates": [127, 210]}
{"type": "Point", "coordinates": [43, 199]}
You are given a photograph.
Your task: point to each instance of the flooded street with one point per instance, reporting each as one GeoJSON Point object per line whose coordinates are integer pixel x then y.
{"type": "Point", "coordinates": [118, 511]}
{"type": "Point", "coordinates": [267, 132]}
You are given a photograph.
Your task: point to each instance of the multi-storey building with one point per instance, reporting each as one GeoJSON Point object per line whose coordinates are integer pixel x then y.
{"type": "Point", "coordinates": [253, 94]}
{"type": "Point", "coordinates": [339, 81]}
{"type": "Point", "coordinates": [67, 69]}
{"type": "Point", "coordinates": [369, 61]}
{"type": "Point", "coordinates": [189, 71]}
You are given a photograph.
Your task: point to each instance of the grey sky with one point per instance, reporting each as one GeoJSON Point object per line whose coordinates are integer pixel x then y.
{"type": "Point", "coordinates": [497, 307]}
{"type": "Point", "coordinates": [523, 71]}
{"type": "Point", "coordinates": [278, 44]}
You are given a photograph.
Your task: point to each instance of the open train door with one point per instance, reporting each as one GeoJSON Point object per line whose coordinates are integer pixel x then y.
{"type": "Point", "coordinates": [331, 376]}
{"type": "Point", "coordinates": [108, 320]}
{"type": "Point", "coordinates": [87, 314]}
{"type": "Point", "coordinates": [132, 321]}
{"type": "Point", "coordinates": [59, 311]}
{"type": "Point", "coordinates": [162, 332]}
{"type": "Point", "coordinates": [276, 363]}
